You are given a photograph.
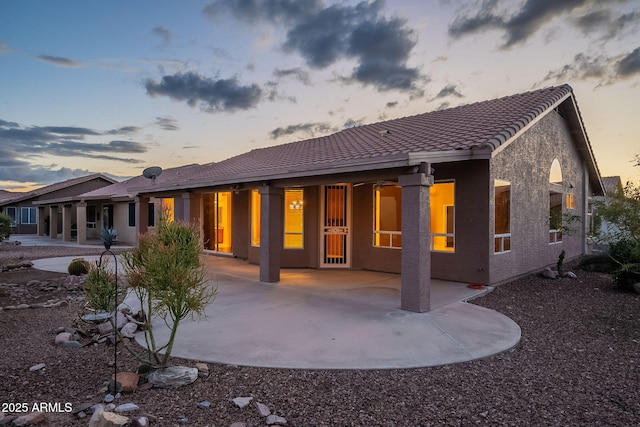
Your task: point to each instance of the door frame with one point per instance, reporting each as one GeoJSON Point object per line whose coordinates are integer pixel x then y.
{"type": "Point", "coordinates": [346, 229]}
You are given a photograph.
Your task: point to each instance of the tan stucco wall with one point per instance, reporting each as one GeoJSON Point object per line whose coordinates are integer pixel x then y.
{"type": "Point", "coordinates": [526, 163]}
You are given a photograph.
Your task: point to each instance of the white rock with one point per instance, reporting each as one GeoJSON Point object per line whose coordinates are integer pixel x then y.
{"type": "Point", "coordinates": [37, 367]}
{"type": "Point", "coordinates": [62, 338]}
{"type": "Point", "coordinates": [263, 409]}
{"type": "Point", "coordinates": [549, 273]}
{"type": "Point", "coordinates": [571, 274]}
{"type": "Point", "coordinates": [241, 402]}
{"type": "Point", "coordinates": [126, 407]}
{"type": "Point", "coordinates": [129, 330]}
{"type": "Point", "coordinates": [274, 419]}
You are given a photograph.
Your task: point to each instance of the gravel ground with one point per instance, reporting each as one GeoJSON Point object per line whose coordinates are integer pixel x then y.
{"type": "Point", "coordinates": [578, 364]}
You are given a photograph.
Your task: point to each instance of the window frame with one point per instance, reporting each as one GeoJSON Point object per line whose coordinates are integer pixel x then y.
{"type": "Point", "coordinates": [132, 214]}
{"type": "Point", "coordinates": [32, 215]}
{"type": "Point", "coordinates": [445, 214]}
{"type": "Point", "coordinates": [499, 239]}
{"type": "Point", "coordinates": [298, 208]}
{"type": "Point", "coordinates": [14, 217]}
{"type": "Point", "coordinates": [378, 233]}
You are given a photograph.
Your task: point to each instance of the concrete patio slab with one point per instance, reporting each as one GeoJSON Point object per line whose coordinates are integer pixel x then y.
{"type": "Point", "coordinates": [330, 319]}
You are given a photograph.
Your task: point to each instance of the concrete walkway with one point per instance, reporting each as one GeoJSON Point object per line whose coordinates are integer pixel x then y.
{"type": "Point", "coordinates": [330, 319]}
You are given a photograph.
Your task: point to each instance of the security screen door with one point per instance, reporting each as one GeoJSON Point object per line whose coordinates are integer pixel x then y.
{"type": "Point", "coordinates": [335, 230]}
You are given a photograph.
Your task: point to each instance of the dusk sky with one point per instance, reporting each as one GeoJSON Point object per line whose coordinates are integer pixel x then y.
{"type": "Point", "coordinates": [117, 86]}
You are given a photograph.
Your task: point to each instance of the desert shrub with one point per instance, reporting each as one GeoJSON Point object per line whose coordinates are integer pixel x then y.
{"type": "Point", "coordinates": [601, 263]}
{"type": "Point", "coordinates": [626, 255]}
{"type": "Point", "coordinates": [5, 226]}
{"type": "Point", "coordinates": [167, 274]}
{"type": "Point", "coordinates": [101, 288]}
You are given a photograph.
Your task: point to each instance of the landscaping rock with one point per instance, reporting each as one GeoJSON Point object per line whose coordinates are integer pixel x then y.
{"type": "Point", "coordinates": [102, 418]}
{"type": "Point", "coordinates": [37, 367]}
{"type": "Point", "coordinates": [549, 273]}
{"type": "Point", "coordinates": [173, 376]}
{"type": "Point", "coordinates": [126, 407]}
{"type": "Point", "coordinates": [62, 338]}
{"type": "Point", "coordinates": [30, 419]}
{"type": "Point", "coordinates": [204, 405]}
{"type": "Point", "coordinates": [263, 409]}
{"type": "Point", "coordinates": [140, 422]}
{"type": "Point", "coordinates": [128, 381]}
{"type": "Point", "coordinates": [129, 330]}
{"type": "Point", "coordinates": [242, 402]}
{"type": "Point", "coordinates": [276, 420]}
{"type": "Point", "coordinates": [203, 369]}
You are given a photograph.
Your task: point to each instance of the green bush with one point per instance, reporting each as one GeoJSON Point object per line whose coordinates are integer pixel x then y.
{"type": "Point", "coordinates": [167, 274]}
{"type": "Point", "coordinates": [626, 254]}
{"type": "Point", "coordinates": [5, 226]}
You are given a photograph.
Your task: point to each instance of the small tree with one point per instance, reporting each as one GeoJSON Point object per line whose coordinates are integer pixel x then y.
{"type": "Point", "coordinates": [167, 274]}
{"type": "Point", "coordinates": [5, 227]}
{"type": "Point", "coordinates": [622, 212]}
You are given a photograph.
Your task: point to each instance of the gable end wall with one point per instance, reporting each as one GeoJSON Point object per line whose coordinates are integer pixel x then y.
{"type": "Point", "coordinates": [526, 164]}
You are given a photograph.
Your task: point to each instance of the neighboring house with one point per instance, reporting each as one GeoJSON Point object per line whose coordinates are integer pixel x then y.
{"type": "Point", "coordinates": [114, 207]}
{"type": "Point", "coordinates": [48, 210]}
{"type": "Point", "coordinates": [479, 193]}
{"type": "Point", "coordinates": [612, 186]}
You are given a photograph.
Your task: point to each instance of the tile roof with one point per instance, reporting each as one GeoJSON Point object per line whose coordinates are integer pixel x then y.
{"type": "Point", "coordinates": [43, 191]}
{"type": "Point", "coordinates": [484, 125]}
{"type": "Point", "coordinates": [612, 184]}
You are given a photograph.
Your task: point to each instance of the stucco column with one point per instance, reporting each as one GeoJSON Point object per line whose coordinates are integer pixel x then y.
{"type": "Point", "coordinates": [415, 281]}
{"type": "Point", "coordinates": [271, 229]}
{"type": "Point", "coordinates": [53, 221]}
{"type": "Point", "coordinates": [66, 222]}
{"type": "Point", "coordinates": [142, 216]}
{"type": "Point", "coordinates": [81, 223]}
{"type": "Point", "coordinates": [42, 224]}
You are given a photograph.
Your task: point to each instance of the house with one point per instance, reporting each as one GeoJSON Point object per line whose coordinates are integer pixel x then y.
{"type": "Point", "coordinates": [48, 210]}
{"type": "Point", "coordinates": [480, 193]}
{"type": "Point", "coordinates": [114, 207]}
{"type": "Point", "coordinates": [604, 230]}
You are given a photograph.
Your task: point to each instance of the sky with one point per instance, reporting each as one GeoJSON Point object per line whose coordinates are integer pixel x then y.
{"type": "Point", "coordinates": [114, 87]}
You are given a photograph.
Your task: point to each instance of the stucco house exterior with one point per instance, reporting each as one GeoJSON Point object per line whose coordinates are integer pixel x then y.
{"type": "Point", "coordinates": [49, 210]}
{"type": "Point", "coordinates": [480, 193]}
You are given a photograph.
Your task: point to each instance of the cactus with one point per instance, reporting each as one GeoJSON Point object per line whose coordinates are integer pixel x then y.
{"type": "Point", "coordinates": [78, 267]}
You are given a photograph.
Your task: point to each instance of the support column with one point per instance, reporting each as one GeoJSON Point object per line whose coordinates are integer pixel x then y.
{"type": "Point", "coordinates": [415, 293]}
{"type": "Point", "coordinates": [142, 216]}
{"type": "Point", "coordinates": [42, 224]}
{"type": "Point", "coordinates": [81, 223]}
{"type": "Point", "coordinates": [53, 221]}
{"type": "Point", "coordinates": [271, 229]}
{"type": "Point", "coordinates": [66, 223]}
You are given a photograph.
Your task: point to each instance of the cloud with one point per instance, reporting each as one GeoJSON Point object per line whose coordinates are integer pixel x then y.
{"type": "Point", "coordinates": [20, 144]}
{"type": "Point", "coordinates": [449, 90]}
{"type": "Point", "coordinates": [603, 20]}
{"type": "Point", "coordinates": [297, 73]}
{"type": "Point", "coordinates": [4, 47]}
{"type": "Point", "coordinates": [212, 95]}
{"type": "Point", "coordinates": [309, 129]}
{"type": "Point", "coordinates": [167, 123]}
{"type": "Point", "coordinates": [392, 104]}
{"type": "Point", "coordinates": [163, 33]}
{"type": "Point", "coordinates": [324, 35]}
{"type": "Point", "coordinates": [629, 65]}
{"type": "Point", "coordinates": [607, 70]}
{"type": "Point", "coordinates": [125, 130]}
{"type": "Point", "coordinates": [351, 123]}
{"type": "Point", "coordinates": [520, 25]}
{"type": "Point", "coordinates": [59, 61]}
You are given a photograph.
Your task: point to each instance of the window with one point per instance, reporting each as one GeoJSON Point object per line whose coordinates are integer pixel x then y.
{"type": "Point", "coordinates": [151, 209]}
{"type": "Point", "coordinates": [387, 221]}
{"type": "Point", "coordinates": [502, 216]}
{"type": "Point", "coordinates": [168, 209]}
{"type": "Point", "coordinates": [569, 201]}
{"type": "Point", "coordinates": [255, 218]}
{"type": "Point", "coordinates": [443, 217]}
{"type": "Point", "coordinates": [132, 214]}
{"type": "Point", "coordinates": [11, 211]}
{"type": "Point", "coordinates": [555, 217]}
{"type": "Point", "coordinates": [28, 215]}
{"type": "Point", "coordinates": [555, 202]}
{"type": "Point", "coordinates": [91, 217]}
{"type": "Point", "coordinates": [293, 219]}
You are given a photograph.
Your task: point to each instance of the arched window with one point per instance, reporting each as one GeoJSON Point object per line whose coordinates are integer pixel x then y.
{"type": "Point", "coordinates": [555, 203]}
{"type": "Point", "coordinates": [555, 175]}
